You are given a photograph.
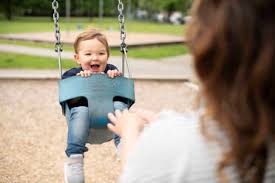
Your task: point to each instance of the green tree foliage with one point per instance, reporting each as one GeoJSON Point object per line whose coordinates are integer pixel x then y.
{"type": "Point", "coordinates": [167, 5]}
{"type": "Point", "coordinates": [36, 7]}
{"type": "Point", "coordinates": [9, 8]}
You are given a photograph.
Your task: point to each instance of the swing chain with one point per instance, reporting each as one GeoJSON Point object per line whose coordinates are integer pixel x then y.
{"type": "Point", "coordinates": [123, 46]}
{"type": "Point", "coordinates": [58, 45]}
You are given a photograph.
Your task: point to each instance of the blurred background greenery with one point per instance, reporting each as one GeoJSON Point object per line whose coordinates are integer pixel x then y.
{"type": "Point", "coordinates": [147, 16]}
{"type": "Point", "coordinates": [93, 8]}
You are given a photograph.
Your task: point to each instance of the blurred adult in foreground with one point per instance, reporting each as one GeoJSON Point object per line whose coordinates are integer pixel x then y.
{"type": "Point", "coordinates": [231, 138]}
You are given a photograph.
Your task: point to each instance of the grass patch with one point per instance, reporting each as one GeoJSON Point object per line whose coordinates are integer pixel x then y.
{"type": "Point", "coordinates": [66, 47]}
{"type": "Point", "coordinates": [35, 44]}
{"type": "Point", "coordinates": [32, 44]}
{"type": "Point", "coordinates": [20, 61]}
{"type": "Point", "coordinates": [158, 52]}
{"type": "Point", "coordinates": [150, 52]}
{"type": "Point", "coordinates": [45, 24]}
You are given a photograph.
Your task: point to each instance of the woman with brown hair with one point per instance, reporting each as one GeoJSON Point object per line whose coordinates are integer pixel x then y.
{"type": "Point", "coordinates": [232, 137]}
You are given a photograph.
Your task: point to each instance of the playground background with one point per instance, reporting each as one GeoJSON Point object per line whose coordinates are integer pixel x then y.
{"type": "Point", "coordinates": [32, 128]}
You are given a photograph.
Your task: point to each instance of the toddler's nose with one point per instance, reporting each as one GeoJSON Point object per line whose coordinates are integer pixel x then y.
{"type": "Point", "coordinates": [94, 57]}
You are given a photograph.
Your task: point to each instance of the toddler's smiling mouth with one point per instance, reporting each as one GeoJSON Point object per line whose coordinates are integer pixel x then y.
{"type": "Point", "coordinates": [95, 67]}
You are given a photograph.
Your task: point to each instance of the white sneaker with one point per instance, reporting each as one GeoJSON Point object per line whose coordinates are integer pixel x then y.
{"type": "Point", "coordinates": [73, 169]}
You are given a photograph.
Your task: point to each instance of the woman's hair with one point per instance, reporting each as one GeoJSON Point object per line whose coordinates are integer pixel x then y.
{"type": "Point", "coordinates": [233, 43]}
{"type": "Point", "coordinates": [91, 34]}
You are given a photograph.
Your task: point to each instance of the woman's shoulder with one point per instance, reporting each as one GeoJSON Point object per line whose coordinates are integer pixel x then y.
{"type": "Point", "coordinates": [179, 132]}
{"type": "Point", "coordinates": [170, 148]}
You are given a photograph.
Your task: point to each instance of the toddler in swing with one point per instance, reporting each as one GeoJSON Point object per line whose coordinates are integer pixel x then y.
{"type": "Point", "coordinates": [91, 53]}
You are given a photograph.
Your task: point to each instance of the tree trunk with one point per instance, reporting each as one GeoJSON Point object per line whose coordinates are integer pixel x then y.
{"type": "Point", "coordinates": [8, 9]}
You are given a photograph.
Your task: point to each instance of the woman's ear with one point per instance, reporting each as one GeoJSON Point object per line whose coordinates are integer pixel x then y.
{"type": "Point", "coordinates": [76, 58]}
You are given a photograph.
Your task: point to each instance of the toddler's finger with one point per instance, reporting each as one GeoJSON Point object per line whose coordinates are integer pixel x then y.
{"type": "Point", "coordinates": [110, 74]}
{"type": "Point", "coordinates": [87, 73]}
{"type": "Point", "coordinates": [113, 74]}
{"type": "Point", "coordinates": [82, 74]}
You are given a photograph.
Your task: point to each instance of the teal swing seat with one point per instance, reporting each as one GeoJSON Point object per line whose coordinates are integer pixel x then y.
{"type": "Point", "coordinates": [100, 92]}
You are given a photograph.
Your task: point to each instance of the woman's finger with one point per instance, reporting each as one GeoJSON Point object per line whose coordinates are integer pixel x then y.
{"type": "Point", "coordinates": [112, 128]}
{"type": "Point", "coordinates": [112, 118]}
{"type": "Point", "coordinates": [118, 113]}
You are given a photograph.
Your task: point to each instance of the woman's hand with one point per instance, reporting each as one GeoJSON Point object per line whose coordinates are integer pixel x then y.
{"type": "Point", "coordinates": [128, 125]}
{"type": "Point", "coordinates": [125, 123]}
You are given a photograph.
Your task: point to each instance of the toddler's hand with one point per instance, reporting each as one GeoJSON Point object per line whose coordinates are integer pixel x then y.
{"type": "Point", "coordinates": [85, 73]}
{"type": "Point", "coordinates": [113, 73]}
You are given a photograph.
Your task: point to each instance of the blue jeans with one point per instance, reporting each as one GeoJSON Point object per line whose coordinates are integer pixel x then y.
{"type": "Point", "coordinates": [79, 128]}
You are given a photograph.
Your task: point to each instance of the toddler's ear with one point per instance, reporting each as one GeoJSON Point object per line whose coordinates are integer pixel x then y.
{"type": "Point", "coordinates": [76, 58]}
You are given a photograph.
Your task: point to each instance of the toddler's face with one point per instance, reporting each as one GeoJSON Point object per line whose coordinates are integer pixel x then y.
{"type": "Point", "coordinates": [92, 55]}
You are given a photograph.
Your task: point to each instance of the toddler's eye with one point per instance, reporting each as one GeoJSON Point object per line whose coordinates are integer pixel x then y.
{"type": "Point", "coordinates": [102, 53]}
{"type": "Point", "coordinates": [87, 54]}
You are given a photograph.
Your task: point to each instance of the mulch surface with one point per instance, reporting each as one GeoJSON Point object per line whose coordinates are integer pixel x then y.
{"type": "Point", "coordinates": [33, 131]}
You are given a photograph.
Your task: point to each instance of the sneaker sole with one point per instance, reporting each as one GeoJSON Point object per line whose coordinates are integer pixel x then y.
{"type": "Point", "coordinates": [65, 175]}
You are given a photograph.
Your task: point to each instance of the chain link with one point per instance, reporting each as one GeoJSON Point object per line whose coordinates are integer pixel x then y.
{"type": "Point", "coordinates": [120, 7]}
{"type": "Point", "coordinates": [123, 46]}
{"type": "Point", "coordinates": [58, 45]}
